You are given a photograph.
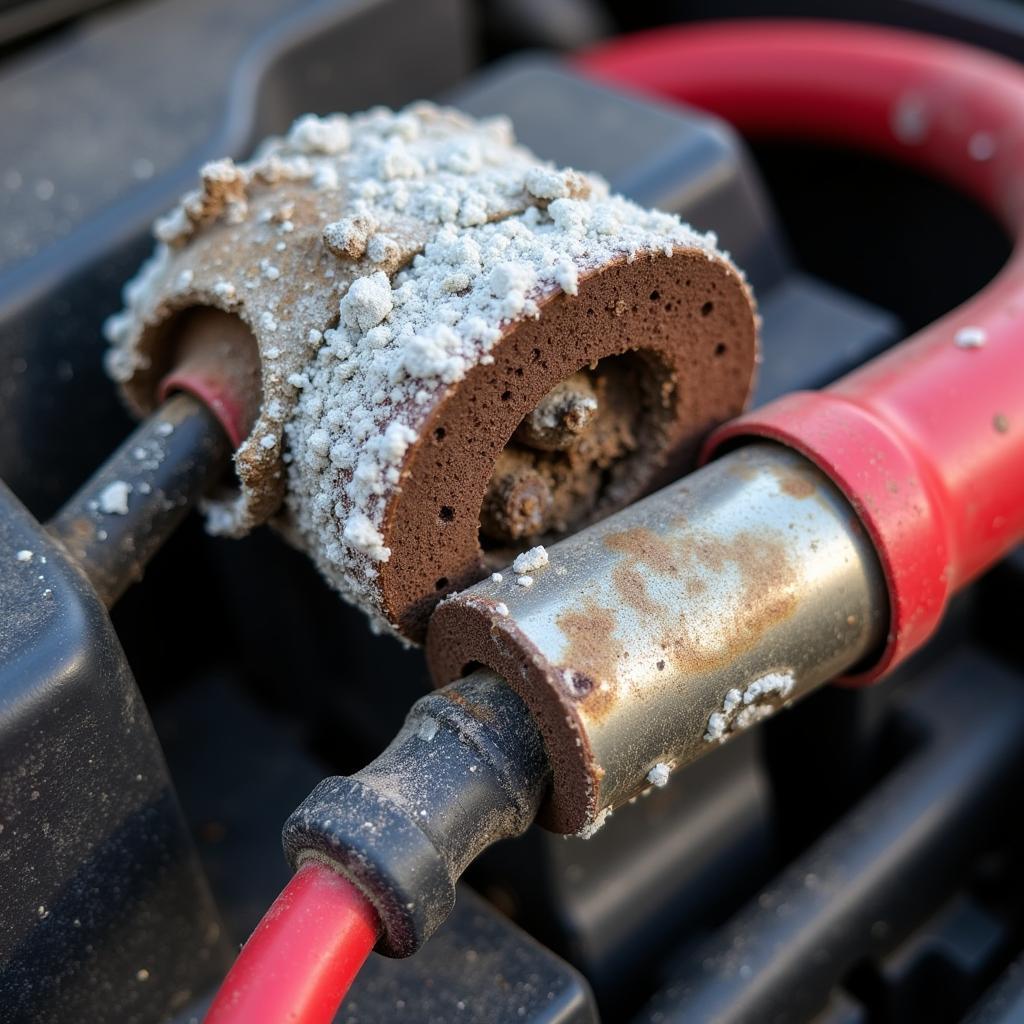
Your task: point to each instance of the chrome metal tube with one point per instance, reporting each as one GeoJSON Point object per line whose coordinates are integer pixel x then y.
{"type": "Point", "coordinates": [655, 635]}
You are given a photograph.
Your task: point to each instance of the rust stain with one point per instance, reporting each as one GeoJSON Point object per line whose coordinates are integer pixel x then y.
{"type": "Point", "coordinates": [82, 532]}
{"type": "Point", "coordinates": [793, 480]}
{"type": "Point", "coordinates": [645, 547]}
{"type": "Point", "coordinates": [766, 596]}
{"type": "Point", "coordinates": [592, 654]}
{"type": "Point", "coordinates": [478, 711]}
{"type": "Point", "coordinates": [632, 588]}
{"type": "Point", "coordinates": [797, 486]}
{"type": "Point", "coordinates": [741, 469]}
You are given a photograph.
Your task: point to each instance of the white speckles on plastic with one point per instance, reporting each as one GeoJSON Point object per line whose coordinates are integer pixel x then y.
{"type": "Point", "coordinates": [742, 708]}
{"type": "Point", "coordinates": [911, 119]}
{"type": "Point", "coordinates": [981, 146]}
{"type": "Point", "coordinates": [970, 337]}
{"type": "Point", "coordinates": [113, 499]}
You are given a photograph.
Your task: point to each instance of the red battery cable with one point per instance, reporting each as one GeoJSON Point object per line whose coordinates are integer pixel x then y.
{"type": "Point", "coordinates": [927, 441]}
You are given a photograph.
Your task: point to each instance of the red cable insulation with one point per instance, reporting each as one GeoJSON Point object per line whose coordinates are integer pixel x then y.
{"type": "Point", "coordinates": [927, 441]}
{"type": "Point", "coordinates": [303, 956]}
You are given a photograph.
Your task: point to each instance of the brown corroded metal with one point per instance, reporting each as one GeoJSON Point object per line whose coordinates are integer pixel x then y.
{"type": "Point", "coordinates": [384, 447]}
{"type": "Point", "coordinates": [653, 636]}
{"type": "Point", "coordinates": [640, 319]}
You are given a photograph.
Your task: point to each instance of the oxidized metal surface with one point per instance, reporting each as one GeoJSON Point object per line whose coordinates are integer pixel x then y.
{"type": "Point", "coordinates": [655, 635]}
{"type": "Point", "coordinates": [121, 516]}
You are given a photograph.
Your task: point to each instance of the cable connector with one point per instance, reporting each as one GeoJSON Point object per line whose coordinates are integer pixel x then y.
{"type": "Point", "coordinates": [467, 768]}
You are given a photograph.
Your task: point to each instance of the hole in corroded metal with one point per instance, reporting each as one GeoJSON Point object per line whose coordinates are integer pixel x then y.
{"type": "Point", "coordinates": [579, 683]}
{"type": "Point", "coordinates": [572, 452]}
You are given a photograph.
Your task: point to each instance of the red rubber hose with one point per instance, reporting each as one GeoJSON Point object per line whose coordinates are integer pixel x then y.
{"type": "Point", "coordinates": [927, 441]}
{"type": "Point", "coordinates": [303, 956]}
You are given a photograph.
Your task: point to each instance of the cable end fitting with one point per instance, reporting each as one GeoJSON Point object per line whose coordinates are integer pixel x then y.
{"type": "Point", "coordinates": [467, 768]}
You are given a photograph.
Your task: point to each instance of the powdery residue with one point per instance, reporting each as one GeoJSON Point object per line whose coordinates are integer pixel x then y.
{"type": "Point", "coordinates": [590, 830]}
{"type": "Point", "coordinates": [528, 561]}
{"type": "Point", "coordinates": [381, 371]}
{"type": "Point", "coordinates": [496, 230]}
{"type": "Point", "coordinates": [113, 498]}
{"type": "Point", "coordinates": [742, 708]}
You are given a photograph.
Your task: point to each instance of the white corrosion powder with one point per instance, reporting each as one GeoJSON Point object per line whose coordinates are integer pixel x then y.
{"type": "Point", "coordinates": [400, 344]}
{"type": "Point", "coordinates": [590, 830]}
{"type": "Point", "coordinates": [24, 555]}
{"type": "Point", "coordinates": [658, 775]}
{"type": "Point", "coordinates": [114, 498]}
{"type": "Point", "coordinates": [503, 230]}
{"type": "Point", "coordinates": [742, 708]}
{"type": "Point", "coordinates": [496, 577]}
{"type": "Point", "coordinates": [535, 558]}
{"type": "Point", "coordinates": [524, 581]}
{"type": "Point", "coordinates": [427, 729]}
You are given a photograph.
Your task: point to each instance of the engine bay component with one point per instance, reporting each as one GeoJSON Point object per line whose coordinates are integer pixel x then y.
{"type": "Point", "coordinates": [416, 285]}
{"type": "Point", "coordinates": [467, 768]}
{"type": "Point", "coordinates": [647, 639]}
{"type": "Point", "coordinates": [493, 361]}
{"type": "Point", "coordinates": [925, 441]}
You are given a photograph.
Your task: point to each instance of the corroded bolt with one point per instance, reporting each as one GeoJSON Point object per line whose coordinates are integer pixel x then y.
{"type": "Point", "coordinates": [561, 416]}
{"type": "Point", "coordinates": [518, 501]}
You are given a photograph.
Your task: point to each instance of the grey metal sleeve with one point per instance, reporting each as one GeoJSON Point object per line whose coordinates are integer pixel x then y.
{"type": "Point", "coordinates": [655, 635]}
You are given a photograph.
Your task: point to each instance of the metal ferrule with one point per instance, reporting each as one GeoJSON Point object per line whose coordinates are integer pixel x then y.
{"type": "Point", "coordinates": [659, 633]}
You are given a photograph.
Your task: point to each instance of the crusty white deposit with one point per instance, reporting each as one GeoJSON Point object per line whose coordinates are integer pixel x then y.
{"type": "Point", "coordinates": [500, 230]}
{"type": "Point", "coordinates": [535, 558]}
{"type": "Point", "coordinates": [743, 708]}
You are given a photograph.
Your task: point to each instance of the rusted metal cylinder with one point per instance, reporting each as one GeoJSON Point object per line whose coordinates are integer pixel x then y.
{"type": "Point", "coordinates": [655, 635]}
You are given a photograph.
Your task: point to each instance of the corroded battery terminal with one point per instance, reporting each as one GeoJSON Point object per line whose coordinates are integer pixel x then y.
{"type": "Point", "coordinates": [461, 348]}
